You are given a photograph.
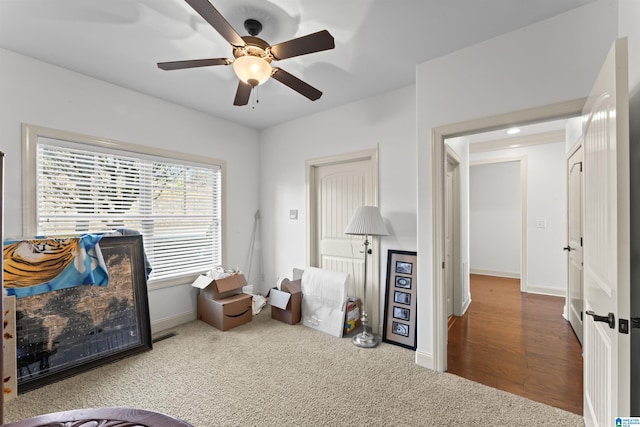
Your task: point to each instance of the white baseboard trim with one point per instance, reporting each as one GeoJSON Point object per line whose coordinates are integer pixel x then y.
{"type": "Point", "coordinates": [565, 313]}
{"type": "Point", "coordinates": [171, 322]}
{"type": "Point", "coordinates": [507, 274]}
{"type": "Point", "coordinates": [466, 304]}
{"type": "Point", "coordinates": [543, 290]}
{"type": "Point", "coordinates": [424, 359]}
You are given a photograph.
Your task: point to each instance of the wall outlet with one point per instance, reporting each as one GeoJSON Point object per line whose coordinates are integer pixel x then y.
{"type": "Point", "coordinates": [293, 214]}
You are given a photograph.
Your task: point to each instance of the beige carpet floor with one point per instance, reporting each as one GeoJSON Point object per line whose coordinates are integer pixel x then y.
{"type": "Point", "coordinates": [267, 373]}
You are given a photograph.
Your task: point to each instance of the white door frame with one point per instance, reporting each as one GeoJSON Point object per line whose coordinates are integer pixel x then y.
{"type": "Point", "coordinates": [453, 216]}
{"type": "Point", "coordinates": [567, 304]}
{"type": "Point", "coordinates": [565, 109]}
{"type": "Point", "coordinates": [312, 238]}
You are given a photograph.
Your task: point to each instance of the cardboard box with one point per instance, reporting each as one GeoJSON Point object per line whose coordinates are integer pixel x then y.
{"type": "Point", "coordinates": [286, 303]}
{"type": "Point", "coordinates": [221, 302]}
{"type": "Point", "coordinates": [220, 288]}
{"type": "Point", "coordinates": [352, 315]}
{"type": "Point", "coordinates": [225, 313]}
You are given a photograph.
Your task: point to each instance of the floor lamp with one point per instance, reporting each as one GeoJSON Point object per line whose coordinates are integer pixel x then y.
{"type": "Point", "coordinates": [366, 221]}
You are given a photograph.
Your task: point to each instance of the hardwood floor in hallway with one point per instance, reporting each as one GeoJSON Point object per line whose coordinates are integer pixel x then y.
{"type": "Point", "coordinates": [517, 342]}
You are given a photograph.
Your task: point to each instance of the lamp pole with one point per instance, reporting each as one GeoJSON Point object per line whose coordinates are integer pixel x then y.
{"type": "Point", "coordinates": [365, 339]}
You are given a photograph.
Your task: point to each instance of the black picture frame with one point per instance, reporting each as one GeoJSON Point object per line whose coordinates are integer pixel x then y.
{"type": "Point", "coordinates": [402, 297]}
{"type": "Point", "coordinates": [399, 327]}
{"type": "Point", "coordinates": [403, 282]}
{"type": "Point", "coordinates": [69, 331]}
{"type": "Point", "coordinates": [402, 313]}
{"type": "Point", "coordinates": [403, 267]}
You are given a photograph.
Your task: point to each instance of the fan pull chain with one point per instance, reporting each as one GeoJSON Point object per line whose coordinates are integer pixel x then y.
{"type": "Point", "coordinates": [256, 100]}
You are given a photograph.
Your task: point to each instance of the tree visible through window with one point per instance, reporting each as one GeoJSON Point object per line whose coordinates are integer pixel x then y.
{"type": "Point", "coordinates": [174, 204]}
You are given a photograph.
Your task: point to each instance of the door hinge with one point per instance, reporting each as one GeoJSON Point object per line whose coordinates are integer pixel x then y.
{"type": "Point", "coordinates": [443, 265]}
{"type": "Point", "coordinates": [581, 317]}
{"type": "Point", "coordinates": [581, 242]}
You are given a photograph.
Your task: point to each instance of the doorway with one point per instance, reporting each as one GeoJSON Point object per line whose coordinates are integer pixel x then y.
{"type": "Point", "coordinates": [574, 247]}
{"type": "Point", "coordinates": [499, 228]}
{"type": "Point", "coordinates": [498, 218]}
{"type": "Point", "coordinates": [336, 187]}
{"type": "Point", "coordinates": [438, 358]}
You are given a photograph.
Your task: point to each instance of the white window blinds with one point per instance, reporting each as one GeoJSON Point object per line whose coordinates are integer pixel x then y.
{"type": "Point", "coordinates": [174, 204]}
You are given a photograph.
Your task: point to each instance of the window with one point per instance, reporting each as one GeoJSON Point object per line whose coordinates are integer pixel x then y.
{"type": "Point", "coordinates": [84, 185]}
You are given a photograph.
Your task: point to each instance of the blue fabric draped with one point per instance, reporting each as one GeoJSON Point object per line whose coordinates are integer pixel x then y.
{"type": "Point", "coordinates": [83, 264]}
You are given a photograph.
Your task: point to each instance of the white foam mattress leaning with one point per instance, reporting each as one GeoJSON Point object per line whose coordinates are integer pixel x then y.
{"type": "Point", "coordinates": [324, 296]}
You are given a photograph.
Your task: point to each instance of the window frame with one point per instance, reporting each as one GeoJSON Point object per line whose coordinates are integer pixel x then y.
{"type": "Point", "coordinates": [30, 135]}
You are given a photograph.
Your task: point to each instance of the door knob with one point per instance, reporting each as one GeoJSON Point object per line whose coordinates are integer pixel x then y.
{"type": "Point", "coordinates": [609, 318]}
{"type": "Point", "coordinates": [567, 248]}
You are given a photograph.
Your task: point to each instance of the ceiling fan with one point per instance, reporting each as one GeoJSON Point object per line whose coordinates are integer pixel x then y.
{"type": "Point", "coordinates": [253, 56]}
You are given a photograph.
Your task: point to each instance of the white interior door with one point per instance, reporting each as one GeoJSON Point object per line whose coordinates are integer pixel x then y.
{"type": "Point", "coordinates": [606, 242]}
{"type": "Point", "coordinates": [575, 198]}
{"type": "Point", "coordinates": [340, 188]}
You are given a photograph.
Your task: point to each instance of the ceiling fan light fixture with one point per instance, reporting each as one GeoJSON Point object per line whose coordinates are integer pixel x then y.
{"type": "Point", "coordinates": [252, 70]}
{"type": "Point", "coordinates": [253, 55]}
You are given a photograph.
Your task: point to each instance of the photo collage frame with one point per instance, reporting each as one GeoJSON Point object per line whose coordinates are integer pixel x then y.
{"type": "Point", "coordinates": [400, 303]}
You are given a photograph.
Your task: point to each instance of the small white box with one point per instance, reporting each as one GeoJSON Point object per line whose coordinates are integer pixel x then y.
{"type": "Point", "coordinates": [279, 299]}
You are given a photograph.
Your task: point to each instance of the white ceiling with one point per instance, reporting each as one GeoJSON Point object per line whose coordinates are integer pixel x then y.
{"type": "Point", "coordinates": [378, 44]}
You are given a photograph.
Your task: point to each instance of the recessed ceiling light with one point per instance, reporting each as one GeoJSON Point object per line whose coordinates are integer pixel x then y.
{"type": "Point", "coordinates": [513, 131]}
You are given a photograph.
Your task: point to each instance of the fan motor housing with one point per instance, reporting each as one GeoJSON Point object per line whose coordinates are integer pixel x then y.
{"type": "Point", "coordinates": [255, 46]}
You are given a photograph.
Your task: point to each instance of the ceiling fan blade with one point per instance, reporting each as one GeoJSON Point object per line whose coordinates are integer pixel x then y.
{"type": "Point", "coordinates": [216, 20]}
{"type": "Point", "coordinates": [242, 94]}
{"type": "Point", "coordinates": [316, 42]}
{"type": "Point", "coordinates": [296, 84]}
{"type": "Point", "coordinates": [193, 63]}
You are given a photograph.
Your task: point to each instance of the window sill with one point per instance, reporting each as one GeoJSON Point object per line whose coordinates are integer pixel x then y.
{"type": "Point", "coordinates": [153, 285]}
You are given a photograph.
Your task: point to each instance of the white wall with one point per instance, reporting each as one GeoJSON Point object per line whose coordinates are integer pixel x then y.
{"type": "Point", "coordinates": [629, 15]}
{"type": "Point", "coordinates": [573, 133]}
{"type": "Point", "coordinates": [551, 61]}
{"type": "Point", "coordinates": [546, 201]}
{"type": "Point", "coordinates": [495, 218]}
{"type": "Point", "coordinates": [38, 93]}
{"type": "Point", "coordinates": [386, 121]}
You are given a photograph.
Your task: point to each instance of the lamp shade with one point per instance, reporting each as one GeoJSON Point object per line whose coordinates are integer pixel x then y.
{"type": "Point", "coordinates": [252, 70]}
{"type": "Point", "coordinates": [367, 221]}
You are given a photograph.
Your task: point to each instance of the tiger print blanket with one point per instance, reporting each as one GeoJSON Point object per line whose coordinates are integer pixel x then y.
{"type": "Point", "coordinates": [33, 267]}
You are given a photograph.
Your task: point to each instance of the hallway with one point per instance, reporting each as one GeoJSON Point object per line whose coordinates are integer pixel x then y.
{"type": "Point", "coordinates": [517, 342]}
